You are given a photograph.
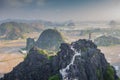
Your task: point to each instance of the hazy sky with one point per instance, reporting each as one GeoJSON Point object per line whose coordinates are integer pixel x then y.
{"type": "Point", "coordinates": [60, 10]}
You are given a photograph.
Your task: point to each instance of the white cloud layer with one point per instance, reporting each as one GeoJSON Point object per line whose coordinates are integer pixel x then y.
{"type": "Point", "coordinates": [106, 10]}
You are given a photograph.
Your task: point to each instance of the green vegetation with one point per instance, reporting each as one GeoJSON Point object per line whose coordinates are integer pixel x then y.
{"type": "Point", "coordinates": [41, 51]}
{"type": "Point", "coordinates": [109, 74]}
{"type": "Point", "coordinates": [98, 74]}
{"type": "Point", "coordinates": [25, 56]}
{"type": "Point", "coordinates": [119, 79]}
{"type": "Point", "coordinates": [48, 54]}
{"type": "Point", "coordinates": [84, 49]}
{"type": "Point", "coordinates": [54, 77]}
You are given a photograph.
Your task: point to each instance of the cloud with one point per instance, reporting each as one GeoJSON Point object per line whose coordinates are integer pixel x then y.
{"type": "Point", "coordinates": [61, 9]}
{"type": "Point", "coordinates": [21, 3]}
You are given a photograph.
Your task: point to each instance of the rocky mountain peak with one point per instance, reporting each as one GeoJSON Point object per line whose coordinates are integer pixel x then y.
{"type": "Point", "coordinates": [80, 60]}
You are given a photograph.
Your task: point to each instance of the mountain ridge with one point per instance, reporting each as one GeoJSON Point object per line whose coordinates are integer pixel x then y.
{"type": "Point", "coordinates": [90, 65]}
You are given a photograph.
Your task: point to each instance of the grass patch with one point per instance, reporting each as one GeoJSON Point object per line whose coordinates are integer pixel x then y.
{"type": "Point", "coordinates": [48, 54]}
{"type": "Point", "coordinates": [109, 74]}
{"type": "Point", "coordinates": [54, 77]}
{"type": "Point", "coordinates": [98, 74]}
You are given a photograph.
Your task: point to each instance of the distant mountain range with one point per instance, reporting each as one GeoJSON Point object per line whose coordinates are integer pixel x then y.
{"type": "Point", "coordinates": [15, 30]}
{"type": "Point", "coordinates": [106, 40]}
{"type": "Point", "coordinates": [44, 22]}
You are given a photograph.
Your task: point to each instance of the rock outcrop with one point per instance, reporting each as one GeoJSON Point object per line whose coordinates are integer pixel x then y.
{"type": "Point", "coordinates": [30, 43]}
{"type": "Point", "coordinates": [50, 39]}
{"type": "Point", "coordinates": [80, 60]}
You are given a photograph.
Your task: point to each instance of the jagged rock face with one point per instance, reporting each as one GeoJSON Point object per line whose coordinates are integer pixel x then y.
{"type": "Point", "coordinates": [85, 66]}
{"type": "Point", "coordinates": [89, 65]}
{"type": "Point", "coordinates": [35, 67]}
{"type": "Point", "coordinates": [50, 39]}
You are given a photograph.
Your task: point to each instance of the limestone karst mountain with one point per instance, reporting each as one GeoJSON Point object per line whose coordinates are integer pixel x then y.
{"type": "Point", "coordinates": [15, 30]}
{"type": "Point", "coordinates": [50, 39]}
{"type": "Point", "coordinates": [11, 30]}
{"type": "Point", "coordinates": [80, 60]}
{"type": "Point", "coordinates": [106, 40]}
